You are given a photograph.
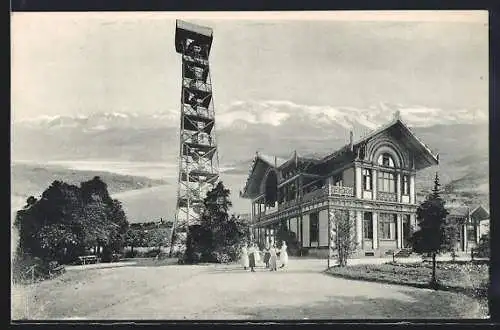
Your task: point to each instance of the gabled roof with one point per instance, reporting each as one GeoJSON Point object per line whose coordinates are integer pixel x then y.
{"type": "Point", "coordinates": [273, 161]}
{"type": "Point", "coordinates": [480, 213]}
{"type": "Point", "coordinates": [300, 159]}
{"type": "Point", "coordinates": [430, 157]}
{"type": "Point", "coordinates": [477, 213]}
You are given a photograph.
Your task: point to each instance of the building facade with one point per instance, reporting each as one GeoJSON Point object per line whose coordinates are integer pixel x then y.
{"type": "Point", "coordinates": [473, 223]}
{"type": "Point", "coordinates": [371, 181]}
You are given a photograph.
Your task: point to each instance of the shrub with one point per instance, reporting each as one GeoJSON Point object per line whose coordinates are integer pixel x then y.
{"type": "Point", "coordinates": [22, 269]}
{"type": "Point", "coordinates": [131, 254]}
{"type": "Point", "coordinates": [152, 253]}
{"type": "Point", "coordinates": [483, 248]}
{"type": "Point", "coordinates": [221, 257]}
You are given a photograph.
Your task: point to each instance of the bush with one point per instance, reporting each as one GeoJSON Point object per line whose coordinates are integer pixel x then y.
{"type": "Point", "coordinates": [22, 266]}
{"type": "Point", "coordinates": [483, 248]}
{"type": "Point", "coordinates": [221, 257]}
{"type": "Point", "coordinates": [131, 254]}
{"type": "Point", "coordinates": [152, 253]}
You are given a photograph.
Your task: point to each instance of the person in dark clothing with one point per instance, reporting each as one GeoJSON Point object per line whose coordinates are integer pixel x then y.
{"type": "Point", "coordinates": [267, 255]}
{"type": "Point", "coordinates": [251, 256]}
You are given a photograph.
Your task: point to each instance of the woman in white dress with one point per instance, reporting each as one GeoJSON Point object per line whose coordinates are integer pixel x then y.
{"type": "Point", "coordinates": [244, 257]}
{"type": "Point", "coordinates": [283, 255]}
{"type": "Point", "coordinates": [257, 255]}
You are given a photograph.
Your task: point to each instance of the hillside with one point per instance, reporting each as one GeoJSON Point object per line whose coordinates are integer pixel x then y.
{"type": "Point", "coordinates": [30, 179]}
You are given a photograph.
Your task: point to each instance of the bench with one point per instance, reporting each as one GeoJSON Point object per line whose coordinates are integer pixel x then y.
{"type": "Point", "coordinates": [58, 270]}
{"type": "Point", "coordinates": [92, 259]}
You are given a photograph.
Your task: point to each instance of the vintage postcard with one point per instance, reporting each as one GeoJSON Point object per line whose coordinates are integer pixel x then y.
{"type": "Point", "coordinates": [250, 166]}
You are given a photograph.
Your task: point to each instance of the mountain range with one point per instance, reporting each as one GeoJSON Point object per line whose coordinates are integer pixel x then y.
{"type": "Point", "coordinates": [278, 128]}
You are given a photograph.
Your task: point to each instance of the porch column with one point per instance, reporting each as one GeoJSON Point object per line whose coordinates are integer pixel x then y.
{"type": "Point", "coordinates": [375, 230]}
{"type": "Point", "coordinates": [253, 212]}
{"type": "Point", "coordinates": [374, 184]}
{"type": "Point", "coordinates": [412, 189]}
{"type": "Point", "coordinates": [399, 231]}
{"type": "Point", "coordinates": [359, 229]}
{"type": "Point", "coordinates": [465, 237]}
{"type": "Point", "coordinates": [359, 182]}
{"type": "Point", "coordinates": [398, 187]}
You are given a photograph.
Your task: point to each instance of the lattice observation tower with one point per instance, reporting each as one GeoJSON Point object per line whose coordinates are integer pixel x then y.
{"type": "Point", "coordinates": [198, 154]}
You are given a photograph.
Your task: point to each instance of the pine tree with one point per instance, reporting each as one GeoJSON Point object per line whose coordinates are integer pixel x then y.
{"type": "Point", "coordinates": [432, 238]}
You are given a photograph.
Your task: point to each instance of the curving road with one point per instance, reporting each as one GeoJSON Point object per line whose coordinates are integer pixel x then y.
{"type": "Point", "coordinates": [215, 292]}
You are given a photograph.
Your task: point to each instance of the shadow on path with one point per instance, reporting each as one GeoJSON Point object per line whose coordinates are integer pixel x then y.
{"type": "Point", "coordinates": [418, 305]}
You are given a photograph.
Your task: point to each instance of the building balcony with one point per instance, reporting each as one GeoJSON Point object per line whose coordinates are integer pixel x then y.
{"type": "Point", "coordinates": [386, 197]}
{"type": "Point", "coordinates": [318, 194]}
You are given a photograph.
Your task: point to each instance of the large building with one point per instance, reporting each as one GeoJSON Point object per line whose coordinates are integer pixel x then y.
{"type": "Point", "coordinates": [372, 181]}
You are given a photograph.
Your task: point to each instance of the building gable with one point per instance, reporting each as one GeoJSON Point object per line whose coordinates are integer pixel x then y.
{"type": "Point", "coordinates": [399, 140]}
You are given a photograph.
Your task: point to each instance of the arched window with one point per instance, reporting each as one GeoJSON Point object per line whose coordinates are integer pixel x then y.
{"type": "Point", "coordinates": [386, 160]}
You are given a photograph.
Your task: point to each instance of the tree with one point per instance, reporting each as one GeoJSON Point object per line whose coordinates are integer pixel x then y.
{"type": "Point", "coordinates": [342, 236]}
{"type": "Point", "coordinates": [133, 239]}
{"type": "Point", "coordinates": [452, 236]}
{"type": "Point", "coordinates": [483, 248]}
{"type": "Point", "coordinates": [218, 236]}
{"type": "Point", "coordinates": [431, 238]}
{"type": "Point", "coordinates": [68, 219]}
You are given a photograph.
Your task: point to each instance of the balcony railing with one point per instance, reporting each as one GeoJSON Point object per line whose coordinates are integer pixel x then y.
{"type": "Point", "coordinates": [315, 194]}
{"type": "Point", "coordinates": [342, 191]}
{"type": "Point", "coordinates": [386, 197]}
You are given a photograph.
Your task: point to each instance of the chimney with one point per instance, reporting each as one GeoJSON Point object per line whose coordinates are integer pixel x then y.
{"type": "Point", "coordinates": [397, 115]}
{"type": "Point", "coordinates": [351, 139]}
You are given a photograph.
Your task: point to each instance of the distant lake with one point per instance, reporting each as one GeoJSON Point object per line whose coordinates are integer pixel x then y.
{"type": "Point", "coordinates": [152, 170]}
{"type": "Point", "coordinates": [147, 203]}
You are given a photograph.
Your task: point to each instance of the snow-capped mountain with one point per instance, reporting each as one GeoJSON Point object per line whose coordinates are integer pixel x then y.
{"type": "Point", "coordinates": [101, 121]}
{"type": "Point", "coordinates": [275, 127]}
{"type": "Point", "coordinates": [241, 115]}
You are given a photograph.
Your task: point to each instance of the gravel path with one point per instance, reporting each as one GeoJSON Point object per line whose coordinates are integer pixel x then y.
{"type": "Point", "coordinates": [228, 292]}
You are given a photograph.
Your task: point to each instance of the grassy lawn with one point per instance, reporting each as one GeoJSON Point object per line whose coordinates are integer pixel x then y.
{"type": "Point", "coordinates": [469, 278]}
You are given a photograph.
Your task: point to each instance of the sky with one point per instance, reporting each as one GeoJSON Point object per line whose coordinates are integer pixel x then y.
{"type": "Point", "coordinates": [80, 63]}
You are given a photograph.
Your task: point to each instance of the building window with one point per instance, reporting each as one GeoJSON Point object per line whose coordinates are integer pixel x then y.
{"type": "Point", "coordinates": [337, 180]}
{"type": "Point", "coordinates": [367, 179]}
{"type": "Point", "coordinates": [387, 226]}
{"type": "Point", "coordinates": [314, 227]}
{"type": "Point", "coordinates": [405, 186]}
{"type": "Point", "coordinates": [386, 160]}
{"type": "Point", "coordinates": [386, 182]}
{"type": "Point", "coordinates": [368, 225]}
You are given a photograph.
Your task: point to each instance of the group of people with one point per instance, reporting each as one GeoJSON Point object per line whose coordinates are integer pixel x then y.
{"type": "Point", "coordinates": [251, 255]}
